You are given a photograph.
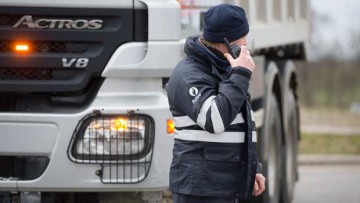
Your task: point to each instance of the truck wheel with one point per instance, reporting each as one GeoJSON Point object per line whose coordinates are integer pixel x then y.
{"type": "Point", "coordinates": [271, 148]}
{"type": "Point", "coordinates": [291, 148]}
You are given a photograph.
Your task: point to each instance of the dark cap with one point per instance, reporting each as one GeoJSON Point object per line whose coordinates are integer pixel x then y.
{"type": "Point", "coordinates": [225, 21]}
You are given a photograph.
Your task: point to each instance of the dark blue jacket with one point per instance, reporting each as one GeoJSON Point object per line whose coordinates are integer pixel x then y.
{"type": "Point", "coordinates": [215, 151]}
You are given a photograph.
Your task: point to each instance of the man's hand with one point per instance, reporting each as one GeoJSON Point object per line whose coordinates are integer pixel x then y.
{"type": "Point", "coordinates": [244, 60]}
{"type": "Point", "coordinates": [259, 185]}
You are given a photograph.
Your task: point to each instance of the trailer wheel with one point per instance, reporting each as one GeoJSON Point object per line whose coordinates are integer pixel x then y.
{"type": "Point", "coordinates": [291, 148]}
{"type": "Point", "coordinates": [272, 150]}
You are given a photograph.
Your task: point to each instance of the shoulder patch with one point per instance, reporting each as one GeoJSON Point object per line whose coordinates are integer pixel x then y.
{"type": "Point", "coordinates": [193, 91]}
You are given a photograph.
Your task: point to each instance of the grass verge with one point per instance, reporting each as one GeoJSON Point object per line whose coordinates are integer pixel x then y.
{"type": "Point", "coordinates": [329, 144]}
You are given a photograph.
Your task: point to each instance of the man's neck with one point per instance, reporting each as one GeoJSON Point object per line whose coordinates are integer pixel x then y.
{"type": "Point", "coordinates": [216, 52]}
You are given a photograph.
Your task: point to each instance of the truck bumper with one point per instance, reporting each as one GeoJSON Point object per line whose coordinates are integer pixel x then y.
{"type": "Point", "coordinates": [30, 134]}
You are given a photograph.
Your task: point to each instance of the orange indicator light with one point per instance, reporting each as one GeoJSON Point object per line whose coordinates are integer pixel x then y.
{"type": "Point", "coordinates": [170, 126]}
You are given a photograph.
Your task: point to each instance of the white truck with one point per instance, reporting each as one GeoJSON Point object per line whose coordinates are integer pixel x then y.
{"type": "Point", "coordinates": [83, 111]}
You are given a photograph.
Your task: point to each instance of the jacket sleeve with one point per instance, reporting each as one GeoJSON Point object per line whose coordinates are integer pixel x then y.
{"type": "Point", "coordinates": [212, 105]}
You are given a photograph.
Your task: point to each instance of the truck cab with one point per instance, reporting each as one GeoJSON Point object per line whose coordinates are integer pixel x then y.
{"type": "Point", "coordinates": [83, 111]}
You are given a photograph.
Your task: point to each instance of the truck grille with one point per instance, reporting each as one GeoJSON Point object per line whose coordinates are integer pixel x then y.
{"type": "Point", "coordinates": [47, 47]}
{"type": "Point", "coordinates": [9, 19]}
{"type": "Point", "coordinates": [32, 74]}
{"type": "Point", "coordinates": [63, 54]}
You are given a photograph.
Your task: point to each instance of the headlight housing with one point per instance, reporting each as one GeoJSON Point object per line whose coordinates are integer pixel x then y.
{"type": "Point", "coordinates": [112, 138]}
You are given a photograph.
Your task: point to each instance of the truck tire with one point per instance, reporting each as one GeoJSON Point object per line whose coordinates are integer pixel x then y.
{"type": "Point", "coordinates": [290, 149]}
{"type": "Point", "coordinates": [291, 129]}
{"type": "Point", "coordinates": [273, 148]}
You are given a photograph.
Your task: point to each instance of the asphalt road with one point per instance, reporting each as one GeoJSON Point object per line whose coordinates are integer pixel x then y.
{"type": "Point", "coordinates": [328, 184]}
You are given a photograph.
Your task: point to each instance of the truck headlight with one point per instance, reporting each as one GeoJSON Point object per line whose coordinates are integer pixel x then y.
{"type": "Point", "coordinates": [113, 138]}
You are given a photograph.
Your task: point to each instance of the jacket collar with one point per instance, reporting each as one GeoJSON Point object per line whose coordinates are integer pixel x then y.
{"type": "Point", "coordinates": [195, 48]}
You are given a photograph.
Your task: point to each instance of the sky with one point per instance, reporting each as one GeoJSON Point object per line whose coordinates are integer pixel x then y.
{"type": "Point", "coordinates": [335, 29]}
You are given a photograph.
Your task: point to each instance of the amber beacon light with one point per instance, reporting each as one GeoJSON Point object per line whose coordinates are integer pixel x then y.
{"type": "Point", "coordinates": [22, 47]}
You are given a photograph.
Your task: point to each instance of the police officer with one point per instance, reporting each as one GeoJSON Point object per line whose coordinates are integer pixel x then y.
{"type": "Point", "coordinates": [215, 152]}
